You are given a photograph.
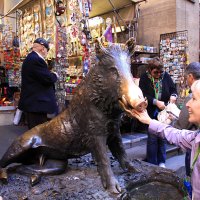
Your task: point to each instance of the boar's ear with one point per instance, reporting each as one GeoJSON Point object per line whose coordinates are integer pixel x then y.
{"type": "Point", "coordinates": [131, 45]}
{"type": "Point", "coordinates": [100, 49]}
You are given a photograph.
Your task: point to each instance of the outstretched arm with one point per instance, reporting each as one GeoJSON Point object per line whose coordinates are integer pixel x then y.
{"type": "Point", "coordinates": [183, 138]}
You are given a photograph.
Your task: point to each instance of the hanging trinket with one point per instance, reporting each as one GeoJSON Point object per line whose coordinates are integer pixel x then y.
{"type": "Point", "coordinates": [60, 8]}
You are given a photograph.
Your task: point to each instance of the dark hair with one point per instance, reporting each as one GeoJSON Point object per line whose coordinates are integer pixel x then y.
{"type": "Point", "coordinates": [155, 63]}
{"type": "Point", "coordinates": [194, 69]}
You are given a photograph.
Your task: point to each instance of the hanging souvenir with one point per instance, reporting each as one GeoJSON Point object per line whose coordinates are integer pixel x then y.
{"type": "Point", "coordinates": [74, 31]}
{"type": "Point", "coordinates": [94, 34]}
{"type": "Point", "coordinates": [36, 17]}
{"type": "Point", "coordinates": [72, 4]}
{"type": "Point", "coordinates": [108, 32]}
{"type": "Point", "coordinates": [49, 11]}
{"type": "Point", "coordinates": [16, 41]}
{"type": "Point", "coordinates": [29, 17]}
{"type": "Point", "coordinates": [28, 26]}
{"type": "Point", "coordinates": [49, 22]}
{"type": "Point", "coordinates": [73, 18]}
{"type": "Point", "coordinates": [49, 31]}
{"type": "Point", "coordinates": [36, 8]}
{"type": "Point", "coordinates": [48, 3]}
{"type": "Point", "coordinates": [60, 8]}
{"type": "Point", "coordinates": [37, 28]}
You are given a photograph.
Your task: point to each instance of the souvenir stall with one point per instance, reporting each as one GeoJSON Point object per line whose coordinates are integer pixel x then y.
{"type": "Point", "coordinates": [73, 48]}
{"type": "Point", "coordinates": [9, 73]}
{"type": "Point", "coordinates": [64, 25]}
{"type": "Point", "coordinates": [71, 34]}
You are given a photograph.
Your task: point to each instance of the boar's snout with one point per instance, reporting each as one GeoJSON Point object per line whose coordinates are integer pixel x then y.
{"type": "Point", "coordinates": [138, 104]}
{"type": "Point", "coordinates": [141, 106]}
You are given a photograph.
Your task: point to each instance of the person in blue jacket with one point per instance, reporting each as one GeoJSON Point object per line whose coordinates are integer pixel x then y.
{"type": "Point", "coordinates": [158, 87]}
{"type": "Point", "coordinates": [37, 98]}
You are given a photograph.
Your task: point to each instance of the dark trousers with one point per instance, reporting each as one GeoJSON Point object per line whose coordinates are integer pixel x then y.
{"type": "Point", "coordinates": [156, 149]}
{"type": "Point", "coordinates": [187, 162]}
{"type": "Point", "coordinates": [34, 119]}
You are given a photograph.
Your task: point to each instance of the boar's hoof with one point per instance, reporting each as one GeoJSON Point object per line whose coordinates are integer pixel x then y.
{"type": "Point", "coordinates": [3, 175]}
{"type": "Point", "coordinates": [114, 187]}
{"type": "Point", "coordinates": [131, 168]}
{"type": "Point", "coordinates": [35, 179]}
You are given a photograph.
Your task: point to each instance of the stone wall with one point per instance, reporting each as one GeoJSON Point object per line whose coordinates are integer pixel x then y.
{"type": "Point", "coordinates": [187, 18]}
{"type": "Point", "coordinates": [156, 17]}
{"type": "Point", "coordinates": [166, 16]}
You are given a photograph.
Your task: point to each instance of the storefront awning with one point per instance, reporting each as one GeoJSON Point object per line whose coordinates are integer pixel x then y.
{"type": "Point", "coordinates": [18, 6]}
{"type": "Point", "coordinates": [104, 6]}
{"type": "Point", "coordinates": [98, 7]}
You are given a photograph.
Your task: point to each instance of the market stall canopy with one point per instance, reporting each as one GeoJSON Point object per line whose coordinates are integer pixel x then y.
{"type": "Point", "coordinates": [104, 6]}
{"type": "Point", "coordinates": [98, 7]}
{"type": "Point", "coordinates": [18, 6]}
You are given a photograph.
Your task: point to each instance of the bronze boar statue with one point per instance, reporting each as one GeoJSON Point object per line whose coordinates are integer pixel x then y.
{"type": "Point", "coordinates": [88, 125]}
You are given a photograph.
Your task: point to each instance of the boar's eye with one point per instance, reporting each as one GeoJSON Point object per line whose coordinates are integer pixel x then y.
{"type": "Point", "coordinates": [114, 73]}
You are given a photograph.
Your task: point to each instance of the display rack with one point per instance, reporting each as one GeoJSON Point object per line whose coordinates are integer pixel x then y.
{"type": "Point", "coordinates": [173, 52]}
{"type": "Point", "coordinates": [174, 55]}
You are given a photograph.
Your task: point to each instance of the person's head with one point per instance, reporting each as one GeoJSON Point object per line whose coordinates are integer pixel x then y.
{"type": "Point", "coordinates": [193, 105]}
{"type": "Point", "coordinates": [192, 72]}
{"type": "Point", "coordinates": [41, 46]}
{"type": "Point", "coordinates": [155, 67]}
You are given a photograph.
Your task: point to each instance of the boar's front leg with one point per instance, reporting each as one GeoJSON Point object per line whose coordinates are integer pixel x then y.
{"type": "Point", "coordinates": [99, 151]}
{"type": "Point", "coordinates": [115, 145]}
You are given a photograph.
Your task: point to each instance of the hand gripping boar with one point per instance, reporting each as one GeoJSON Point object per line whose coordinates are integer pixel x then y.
{"type": "Point", "coordinates": [88, 125]}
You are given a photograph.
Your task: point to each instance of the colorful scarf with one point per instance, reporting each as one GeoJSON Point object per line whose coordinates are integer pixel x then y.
{"type": "Point", "coordinates": [157, 85]}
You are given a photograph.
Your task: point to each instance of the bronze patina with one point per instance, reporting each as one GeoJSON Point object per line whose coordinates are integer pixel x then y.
{"type": "Point", "coordinates": [88, 125]}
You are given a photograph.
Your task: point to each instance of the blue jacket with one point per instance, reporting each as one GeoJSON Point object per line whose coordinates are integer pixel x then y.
{"type": "Point", "coordinates": [37, 89]}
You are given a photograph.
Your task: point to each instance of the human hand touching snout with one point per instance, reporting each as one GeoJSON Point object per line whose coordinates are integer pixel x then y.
{"type": "Point", "coordinates": [141, 116]}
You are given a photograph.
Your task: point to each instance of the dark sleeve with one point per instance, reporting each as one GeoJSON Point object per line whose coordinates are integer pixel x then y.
{"type": "Point", "coordinates": [172, 87]}
{"type": "Point", "coordinates": [145, 86]}
{"type": "Point", "coordinates": [41, 73]}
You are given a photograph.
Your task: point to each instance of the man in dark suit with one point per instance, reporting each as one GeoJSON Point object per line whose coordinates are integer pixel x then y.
{"type": "Point", "coordinates": [37, 97]}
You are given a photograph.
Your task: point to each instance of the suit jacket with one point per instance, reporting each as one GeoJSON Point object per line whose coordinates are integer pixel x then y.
{"type": "Point", "coordinates": [37, 88]}
{"type": "Point", "coordinates": [146, 85]}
